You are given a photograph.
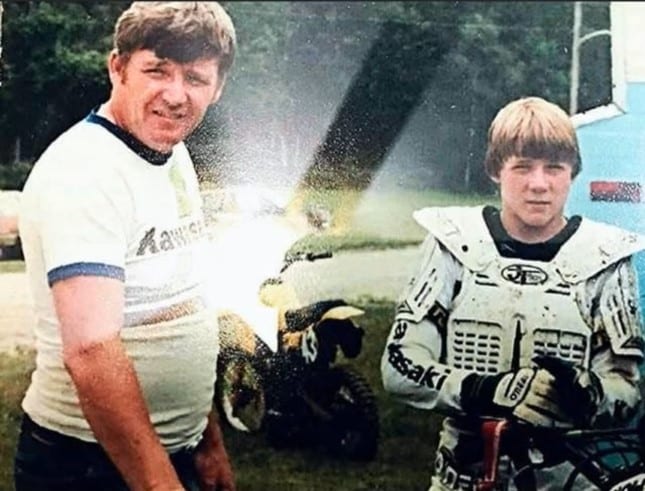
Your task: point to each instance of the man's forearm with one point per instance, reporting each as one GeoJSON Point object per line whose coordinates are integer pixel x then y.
{"type": "Point", "coordinates": [212, 435]}
{"type": "Point", "coordinates": [111, 400]}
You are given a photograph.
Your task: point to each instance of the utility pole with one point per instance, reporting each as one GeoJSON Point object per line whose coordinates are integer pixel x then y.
{"type": "Point", "coordinates": [575, 59]}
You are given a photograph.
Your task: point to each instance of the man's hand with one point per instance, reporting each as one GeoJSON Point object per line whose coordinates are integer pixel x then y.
{"type": "Point", "coordinates": [211, 460]}
{"type": "Point", "coordinates": [528, 394]}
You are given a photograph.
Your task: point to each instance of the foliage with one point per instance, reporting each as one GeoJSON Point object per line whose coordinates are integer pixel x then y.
{"type": "Point", "coordinates": [14, 175]}
{"type": "Point", "coordinates": [325, 93]}
{"type": "Point", "coordinates": [54, 70]}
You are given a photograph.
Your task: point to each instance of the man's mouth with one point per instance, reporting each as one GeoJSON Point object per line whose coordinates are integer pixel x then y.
{"type": "Point", "coordinates": [167, 115]}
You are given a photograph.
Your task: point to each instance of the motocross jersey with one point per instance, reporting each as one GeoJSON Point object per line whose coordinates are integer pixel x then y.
{"type": "Point", "coordinates": [483, 302]}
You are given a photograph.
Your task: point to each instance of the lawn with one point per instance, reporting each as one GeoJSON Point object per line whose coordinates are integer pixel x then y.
{"type": "Point", "coordinates": [13, 266]}
{"type": "Point", "coordinates": [377, 219]}
{"type": "Point", "coordinates": [402, 463]}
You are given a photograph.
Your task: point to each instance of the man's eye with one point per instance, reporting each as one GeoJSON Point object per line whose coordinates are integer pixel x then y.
{"type": "Point", "coordinates": [195, 80]}
{"type": "Point", "coordinates": [154, 71]}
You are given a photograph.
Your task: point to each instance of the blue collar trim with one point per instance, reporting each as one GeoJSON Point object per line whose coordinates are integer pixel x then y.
{"type": "Point", "coordinates": [142, 150]}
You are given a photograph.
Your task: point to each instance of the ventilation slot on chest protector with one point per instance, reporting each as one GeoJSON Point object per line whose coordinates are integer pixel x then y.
{"type": "Point", "coordinates": [566, 345]}
{"type": "Point", "coordinates": [476, 347]}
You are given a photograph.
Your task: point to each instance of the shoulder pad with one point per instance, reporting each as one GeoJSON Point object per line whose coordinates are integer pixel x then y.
{"type": "Point", "coordinates": [462, 231]}
{"type": "Point", "coordinates": [594, 247]}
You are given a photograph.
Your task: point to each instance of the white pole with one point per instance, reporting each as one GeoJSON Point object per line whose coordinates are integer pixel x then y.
{"type": "Point", "coordinates": [575, 59]}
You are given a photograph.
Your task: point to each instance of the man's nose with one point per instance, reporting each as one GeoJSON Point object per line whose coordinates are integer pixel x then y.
{"type": "Point", "coordinates": [174, 92]}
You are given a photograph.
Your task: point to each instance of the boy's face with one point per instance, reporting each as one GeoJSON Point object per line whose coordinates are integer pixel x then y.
{"type": "Point", "coordinates": [161, 101]}
{"type": "Point", "coordinates": [533, 194]}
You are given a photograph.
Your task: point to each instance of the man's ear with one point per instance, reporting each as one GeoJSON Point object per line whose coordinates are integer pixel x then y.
{"type": "Point", "coordinates": [116, 66]}
{"type": "Point", "coordinates": [494, 178]}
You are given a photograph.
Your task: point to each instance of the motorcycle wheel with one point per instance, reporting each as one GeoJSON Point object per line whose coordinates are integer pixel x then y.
{"type": "Point", "coordinates": [353, 428]}
{"type": "Point", "coordinates": [240, 393]}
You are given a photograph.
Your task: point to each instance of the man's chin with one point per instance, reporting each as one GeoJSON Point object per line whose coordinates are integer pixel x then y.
{"type": "Point", "coordinates": [165, 143]}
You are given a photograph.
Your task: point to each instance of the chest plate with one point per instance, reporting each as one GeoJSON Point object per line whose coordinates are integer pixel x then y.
{"type": "Point", "coordinates": [510, 312]}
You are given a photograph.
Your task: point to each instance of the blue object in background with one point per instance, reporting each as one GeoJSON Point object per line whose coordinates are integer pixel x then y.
{"type": "Point", "coordinates": [613, 150]}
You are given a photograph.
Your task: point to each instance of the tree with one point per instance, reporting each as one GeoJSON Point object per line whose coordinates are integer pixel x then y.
{"type": "Point", "coordinates": [54, 67]}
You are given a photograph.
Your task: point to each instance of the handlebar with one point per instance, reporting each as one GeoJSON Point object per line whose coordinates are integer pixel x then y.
{"type": "Point", "coordinates": [608, 458]}
{"type": "Point", "coordinates": [303, 256]}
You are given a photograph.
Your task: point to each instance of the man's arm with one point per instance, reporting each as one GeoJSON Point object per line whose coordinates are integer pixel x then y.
{"type": "Point", "coordinates": [211, 459]}
{"type": "Point", "coordinates": [90, 311]}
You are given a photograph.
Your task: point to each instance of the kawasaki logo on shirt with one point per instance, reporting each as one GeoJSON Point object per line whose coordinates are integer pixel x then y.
{"type": "Point", "coordinates": [154, 241]}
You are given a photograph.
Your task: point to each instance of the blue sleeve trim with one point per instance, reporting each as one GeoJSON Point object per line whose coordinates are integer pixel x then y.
{"type": "Point", "coordinates": [85, 269]}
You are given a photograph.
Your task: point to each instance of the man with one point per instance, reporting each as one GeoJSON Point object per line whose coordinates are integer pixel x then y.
{"type": "Point", "coordinates": [507, 301]}
{"type": "Point", "coordinates": [114, 242]}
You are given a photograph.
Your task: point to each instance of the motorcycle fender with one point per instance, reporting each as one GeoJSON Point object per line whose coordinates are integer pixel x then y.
{"type": "Point", "coordinates": [342, 312]}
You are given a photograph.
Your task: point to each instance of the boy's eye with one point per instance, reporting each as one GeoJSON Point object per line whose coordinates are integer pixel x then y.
{"type": "Point", "coordinates": [522, 166]}
{"type": "Point", "coordinates": [555, 167]}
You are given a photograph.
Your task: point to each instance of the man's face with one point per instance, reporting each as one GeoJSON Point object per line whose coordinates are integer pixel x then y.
{"type": "Point", "coordinates": [533, 194]}
{"type": "Point", "coordinates": [161, 101]}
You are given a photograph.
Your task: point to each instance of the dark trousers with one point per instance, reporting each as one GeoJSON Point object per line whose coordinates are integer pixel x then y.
{"type": "Point", "coordinates": [49, 461]}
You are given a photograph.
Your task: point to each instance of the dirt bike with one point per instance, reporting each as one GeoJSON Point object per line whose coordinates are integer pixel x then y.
{"type": "Point", "coordinates": [607, 459]}
{"type": "Point", "coordinates": [297, 395]}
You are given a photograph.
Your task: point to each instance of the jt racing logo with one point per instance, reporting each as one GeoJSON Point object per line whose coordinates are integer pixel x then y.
{"type": "Point", "coordinates": [524, 274]}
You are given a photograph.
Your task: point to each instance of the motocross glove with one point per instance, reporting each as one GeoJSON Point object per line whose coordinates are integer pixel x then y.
{"type": "Point", "coordinates": [582, 388]}
{"type": "Point", "coordinates": [528, 394]}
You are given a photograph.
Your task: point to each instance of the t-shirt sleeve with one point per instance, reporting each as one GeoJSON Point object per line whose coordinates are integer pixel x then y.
{"type": "Point", "coordinates": [83, 227]}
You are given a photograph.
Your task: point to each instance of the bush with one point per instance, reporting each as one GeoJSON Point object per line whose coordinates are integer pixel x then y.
{"type": "Point", "coordinates": [13, 176]}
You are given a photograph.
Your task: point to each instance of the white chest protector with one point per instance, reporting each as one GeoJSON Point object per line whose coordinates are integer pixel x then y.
{"type": "Point", "coordinates": [509, 310]}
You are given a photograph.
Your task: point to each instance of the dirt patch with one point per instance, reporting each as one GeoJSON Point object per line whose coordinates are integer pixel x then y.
{"type": "Point", "coordinates": [16, 312]}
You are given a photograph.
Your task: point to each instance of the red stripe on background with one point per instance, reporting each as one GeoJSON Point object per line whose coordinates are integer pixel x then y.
{"type": "Point", "coordinates": [622, 191]}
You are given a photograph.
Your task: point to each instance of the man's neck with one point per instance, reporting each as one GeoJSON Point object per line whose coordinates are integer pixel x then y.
{"type": "Point", "coordinates": [105, 111]}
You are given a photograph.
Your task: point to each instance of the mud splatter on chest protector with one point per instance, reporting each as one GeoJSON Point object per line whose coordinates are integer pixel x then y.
{"type": "Point", "coordinates": [508, 310]}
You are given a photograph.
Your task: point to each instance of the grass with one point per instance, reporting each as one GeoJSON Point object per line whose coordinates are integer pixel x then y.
{"type": "Point", "coordinates": [12, 266]}
{"type": "Point", "coordinates": [15, 370]}
{"type": "Point", "coordinates": [408, 436]}
{"type": "Point", "coordinates": [377, 219]}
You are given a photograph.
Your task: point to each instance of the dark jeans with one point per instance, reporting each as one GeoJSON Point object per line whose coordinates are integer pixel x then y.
{"type": "Point", "coordinates": [49, 461]}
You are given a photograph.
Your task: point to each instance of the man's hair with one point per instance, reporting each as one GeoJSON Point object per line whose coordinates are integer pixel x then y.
{"type": "Point", "coordinates": [180, 31]}
{"type": "Point", "coordinates": [531, 127]}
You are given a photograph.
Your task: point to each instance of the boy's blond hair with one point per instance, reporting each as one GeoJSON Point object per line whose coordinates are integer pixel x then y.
{"type": "Point", "coordinates": [531, 127]}
{"type": "Point", "coordinates": [180, 31]}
